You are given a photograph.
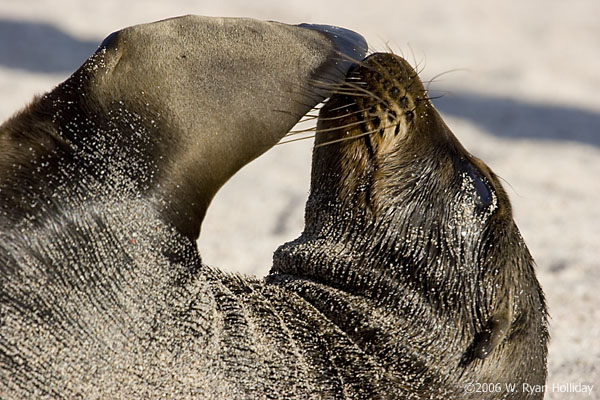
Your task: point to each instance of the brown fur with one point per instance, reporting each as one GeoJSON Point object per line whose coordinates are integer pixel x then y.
{"type": "Point", "coordinates": [402, 215]}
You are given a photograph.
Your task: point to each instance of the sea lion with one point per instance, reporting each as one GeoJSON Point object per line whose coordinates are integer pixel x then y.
{"type": "Point", "coordinates": [409, 281]}
{"type": "Point", "coordinates": [410, 248]}
{"type": "Point", "coordinates": [178, 106]}
{"type": "Point", "coordinates": [104, 182]}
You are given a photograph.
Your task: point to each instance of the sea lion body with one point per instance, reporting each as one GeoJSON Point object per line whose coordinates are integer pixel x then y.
{"type": "Point", "coordinates": [397, 288]}
{"type": "Point", "coordinates": [104, 182]}
{"type": "Point", "coordinates": [410, 247]}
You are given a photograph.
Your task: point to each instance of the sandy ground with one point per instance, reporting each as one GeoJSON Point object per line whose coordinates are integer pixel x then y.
{"type": "Point", "coordinates": [521, 88]}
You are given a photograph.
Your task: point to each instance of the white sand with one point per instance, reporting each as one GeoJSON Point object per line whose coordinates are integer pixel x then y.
{"type": "Point", "coordinates": [525, 99]}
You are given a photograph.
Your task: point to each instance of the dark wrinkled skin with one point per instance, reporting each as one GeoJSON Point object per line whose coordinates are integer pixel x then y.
{"type": "Point", "coordinates": [410, 247]}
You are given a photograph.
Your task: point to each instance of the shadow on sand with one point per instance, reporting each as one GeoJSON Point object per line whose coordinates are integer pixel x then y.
{"type": "Point", "coordinates": [44, 48]}
{"type": "Point", "coordinates": [513, 118]}
{"type": "Point", "coordinates": [41, 47]}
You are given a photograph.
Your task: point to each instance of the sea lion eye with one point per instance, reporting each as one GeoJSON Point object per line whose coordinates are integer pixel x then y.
{"type": "Point", "coordinates": [484, 196]}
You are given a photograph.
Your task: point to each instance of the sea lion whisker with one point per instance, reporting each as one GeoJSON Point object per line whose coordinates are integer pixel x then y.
{"type": "Point", "coordinates": [446, 73]}
{"type": "Point", "coordinates": [354, 136]}
{"type": "Point", "coordinates": [346, 88]}
{"type": "Point", "coordinates": [345, 138]}
{"type": "Point", "coordinates": [509, 185]}
{"type": "Point", "coordinates": [413, 79]}
{"type": "Point", "coordinates": [331, 77]}
{"type": "Point", "coordinates": [308, 104]}
{"type": "Point", "coordinates": [344, 106]}
{"type": "Point", "coordinates": [350, 125]}
{"type": "Point", "coordinates": [309, 118]}
{"type": "Point", "coordinates": [419, 67]}
{"type": "Point", "coordinates": [347, 58]}
{"type": "Point", "coordinates": [299, 131]}
{"type": "Point", "coordinates": [337, 85]}
{"type": "Point", "coordinates": [344, 115]}
{"type": "Point", "coordinates": [433, 79]}
{"type": "Point", "coordinates": [358, 80]}
{"type": "Point", "coordinates": [349, 89]}
{"type": "Point", "coordinates": [437, 97]}
{"type": "Point", "coordinates": [307, 95]}
{"type": "Point", "coordinates": [331, 86]}
{"type": "Point", "coordinates": [415, 62]}
{"type": "Point", "coordinates": [388, 47]}
{"type": "Point", "coordinates": [352, 93]}
{"type": "Point", "coordinates": [367, 93]}
{"type": "Point", "coordinates": [294, 140]}
{"type": "Point", "coordinates": [287, 112]}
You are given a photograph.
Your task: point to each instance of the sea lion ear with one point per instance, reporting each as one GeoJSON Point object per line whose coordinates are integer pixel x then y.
{"type": "Point", "coordinates": [109, 42]}
{"type": "Point", "coordinates": [495, 331]}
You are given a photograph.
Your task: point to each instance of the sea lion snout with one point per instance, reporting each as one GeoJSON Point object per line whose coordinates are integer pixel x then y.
{"type": "Point", "coordinates": [375, 99]}
{"type": "Point", "coordinates": [384, 97]}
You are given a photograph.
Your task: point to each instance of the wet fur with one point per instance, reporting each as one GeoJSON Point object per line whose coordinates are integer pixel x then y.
{"type": "Point", "coordinates": [410, 246]}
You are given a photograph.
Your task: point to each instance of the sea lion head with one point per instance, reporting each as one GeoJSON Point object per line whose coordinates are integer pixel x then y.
{"type": "Point", "coordinates": [173, 109]}
{"type": "Point", "coordinates": [382, 142]}
{"type": "Point", "coordinates": [401, 213]}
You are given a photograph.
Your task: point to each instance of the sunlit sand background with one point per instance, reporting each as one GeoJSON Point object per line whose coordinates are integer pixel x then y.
{"type": "Point", "coordinates": [520, 84]}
